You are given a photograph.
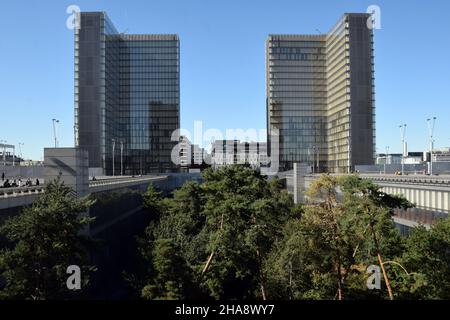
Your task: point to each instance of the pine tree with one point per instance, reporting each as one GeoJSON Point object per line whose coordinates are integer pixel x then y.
{"type": "Point", "coordinates": [45, 239]}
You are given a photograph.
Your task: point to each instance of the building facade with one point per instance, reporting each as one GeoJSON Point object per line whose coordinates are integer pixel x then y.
{"type": "Point", "coordinates": [229, 152]}
{"type": "Point", "coordinates": [320, 96]}
{"type": "Point", "coordinates": [127, 97]}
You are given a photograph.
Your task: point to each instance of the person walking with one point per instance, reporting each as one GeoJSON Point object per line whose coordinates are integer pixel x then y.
{"type": "Point", "coordinates": [3, 176]}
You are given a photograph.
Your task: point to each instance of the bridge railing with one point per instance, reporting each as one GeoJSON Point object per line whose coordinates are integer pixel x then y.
{"type": "Point", "coordinates": [409, 179]}
{"type": "Point", "coordinates": [20, 191]}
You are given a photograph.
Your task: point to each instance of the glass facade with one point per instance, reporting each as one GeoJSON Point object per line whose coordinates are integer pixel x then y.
{"type": "Point", "coordinates": [134, 98]}
{"type": "Point", "coordinates": [320, 96]}
{"type": "Point", "coordinates": [296, 86]}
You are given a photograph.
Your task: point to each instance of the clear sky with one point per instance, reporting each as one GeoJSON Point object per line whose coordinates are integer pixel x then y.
{"type": "Point", "coordinates": [223, 62]}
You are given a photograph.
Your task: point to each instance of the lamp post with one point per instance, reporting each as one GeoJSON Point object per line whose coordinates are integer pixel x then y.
{"type": "Point", "coordinates": [402, 135]}
{"type": "Point", "coordinates": [113, 151]}
{"type": "Point", "coordinates": [431, 122]}
{"type": "Point", "coordinates": [318, 158]}
{"type": "Point", "coordinates": [55, 124]}
{"type": "Point", "coordinates": [4, 151]}
{"type": "Point", "coordinates": [386, 159]}
{"type": "Point", "coordinates": [121, 158]}
{"type": "Point", "coordinates": [20, 149]}
{"type": "Point", "coordinates": [336, 155]}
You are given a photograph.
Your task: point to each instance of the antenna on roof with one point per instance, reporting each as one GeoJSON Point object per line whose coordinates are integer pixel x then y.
{"type": "Point", "coordinates": [320, 32]}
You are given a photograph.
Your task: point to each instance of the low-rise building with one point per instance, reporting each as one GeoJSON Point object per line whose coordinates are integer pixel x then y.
{"type": "Point", "coordinates": [228, 152]}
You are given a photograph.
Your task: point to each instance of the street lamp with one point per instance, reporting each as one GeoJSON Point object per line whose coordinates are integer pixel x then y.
{"type": "Point", "coordinates": [386, 159]}
{"type": "Point", "coordinates": [336, 150]}
{"type": "Point", "coordinates": [431, 123]}
{"type": "Point", "coordinates": [318, 158]}
{"type": "Point", "coordinates": [20, 149]}
{"type": "Point", "coordinates": [55, 124]}
{"type": "Point", "coordinates": [121, 158]}
{"type": "Point", "coordinates": [4, 151]}
{"type": "Point", "coordinates": [113, 151]}
{"type": "Point", "coordinates": [402, 135]}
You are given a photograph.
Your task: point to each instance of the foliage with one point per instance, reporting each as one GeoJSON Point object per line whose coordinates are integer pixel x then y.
{"type": "Point", "coordinates": [223, 229]}
{"type": "Point", "coordinates": [428, 255]}
{"type": "Point", "coordinates": [172, 279]}
{"type": "Point", "coordinates": [45, 239]}
{"type": "Point", "coordinates": [237, 235]}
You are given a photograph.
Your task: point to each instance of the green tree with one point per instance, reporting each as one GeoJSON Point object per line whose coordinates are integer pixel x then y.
{"type": "Point", "coordinates": [428, 257]}
{"type": "Point", "coordinates": [172, 279]}
{"type": "Point", "coordinates": [325, 252]}
{"type": "Point", "coordinates": [152, 201]}
{"type": "Point", "coordinates": [371, 211]}
{"type": "Point", "coordinates": [224, 228]}
{"type": "Point", "coordinates": [46, 238]}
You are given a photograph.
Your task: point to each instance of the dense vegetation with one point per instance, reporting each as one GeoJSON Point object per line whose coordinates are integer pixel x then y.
{"type": "Point", "coordinates": [238, 235]}
{"type": "Point", "coordinates": [45, 239]}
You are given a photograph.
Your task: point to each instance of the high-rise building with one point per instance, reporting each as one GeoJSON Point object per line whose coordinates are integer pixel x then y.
{"type": "Point", "coordinates": [320, 96]}
{"type": "Point", "coordinates": [127, 97]}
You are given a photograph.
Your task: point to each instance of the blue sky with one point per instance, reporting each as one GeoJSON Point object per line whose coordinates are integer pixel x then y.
{"type": "Point", "coordinates": [223, 63]}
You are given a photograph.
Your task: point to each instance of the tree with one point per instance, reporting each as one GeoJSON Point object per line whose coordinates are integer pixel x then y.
{"type": "Point", "coordinates": [325, 252]}
{"type": "Point", "coordinates": [373, 209]}
{"type": "Point", "coordinates": [223, 229]}
{"type": "Point", "coordinates": [179, 223]}
{"type": "Point", "coordinates": [152, 201]}
{"type": "Point", "coordinates": [171, 279]}
{"type": "Point", "coordinates": [428, 257]}
{"type": "Point", "coordinates": [45, 239]}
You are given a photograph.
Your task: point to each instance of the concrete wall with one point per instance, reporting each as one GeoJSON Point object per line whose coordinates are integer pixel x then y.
{"type": "Point", "coordinates": [71, 164]}
{"type": "Point", "coordinates": [17, 171]}
{"type": "Point", "coordinates": [298, 180]}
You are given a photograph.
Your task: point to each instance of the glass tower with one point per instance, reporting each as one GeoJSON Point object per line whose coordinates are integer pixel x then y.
{"type": "Point", "coordinates": [320, 96]}
{"type": "Point", "coordinates": [126, 97]}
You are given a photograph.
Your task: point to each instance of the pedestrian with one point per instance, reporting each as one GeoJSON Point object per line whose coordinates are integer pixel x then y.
{"type": "Point", "coordinates": [37, 182]}
{"type": "Point", "coordinates": [3, 176]}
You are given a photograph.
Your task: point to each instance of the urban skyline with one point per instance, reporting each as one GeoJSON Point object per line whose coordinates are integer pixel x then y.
{"type": "Point", "coordinates": [241, 111]}
{"type": "Point", "coordinates": [224, 151]}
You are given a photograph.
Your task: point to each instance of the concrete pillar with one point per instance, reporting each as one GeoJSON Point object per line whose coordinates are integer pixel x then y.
{"type": "Point", "coordinates": [72, 164]}
{"type": "Point", "coordinates": [298, 181]}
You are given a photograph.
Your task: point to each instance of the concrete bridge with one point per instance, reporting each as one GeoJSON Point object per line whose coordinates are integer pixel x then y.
{"type": "Point", "coordinates": [22, 196]}
{"type": "Point", "coordinates": [430, 194]}
{"type": "Point", "coordinates": [71, 165]}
